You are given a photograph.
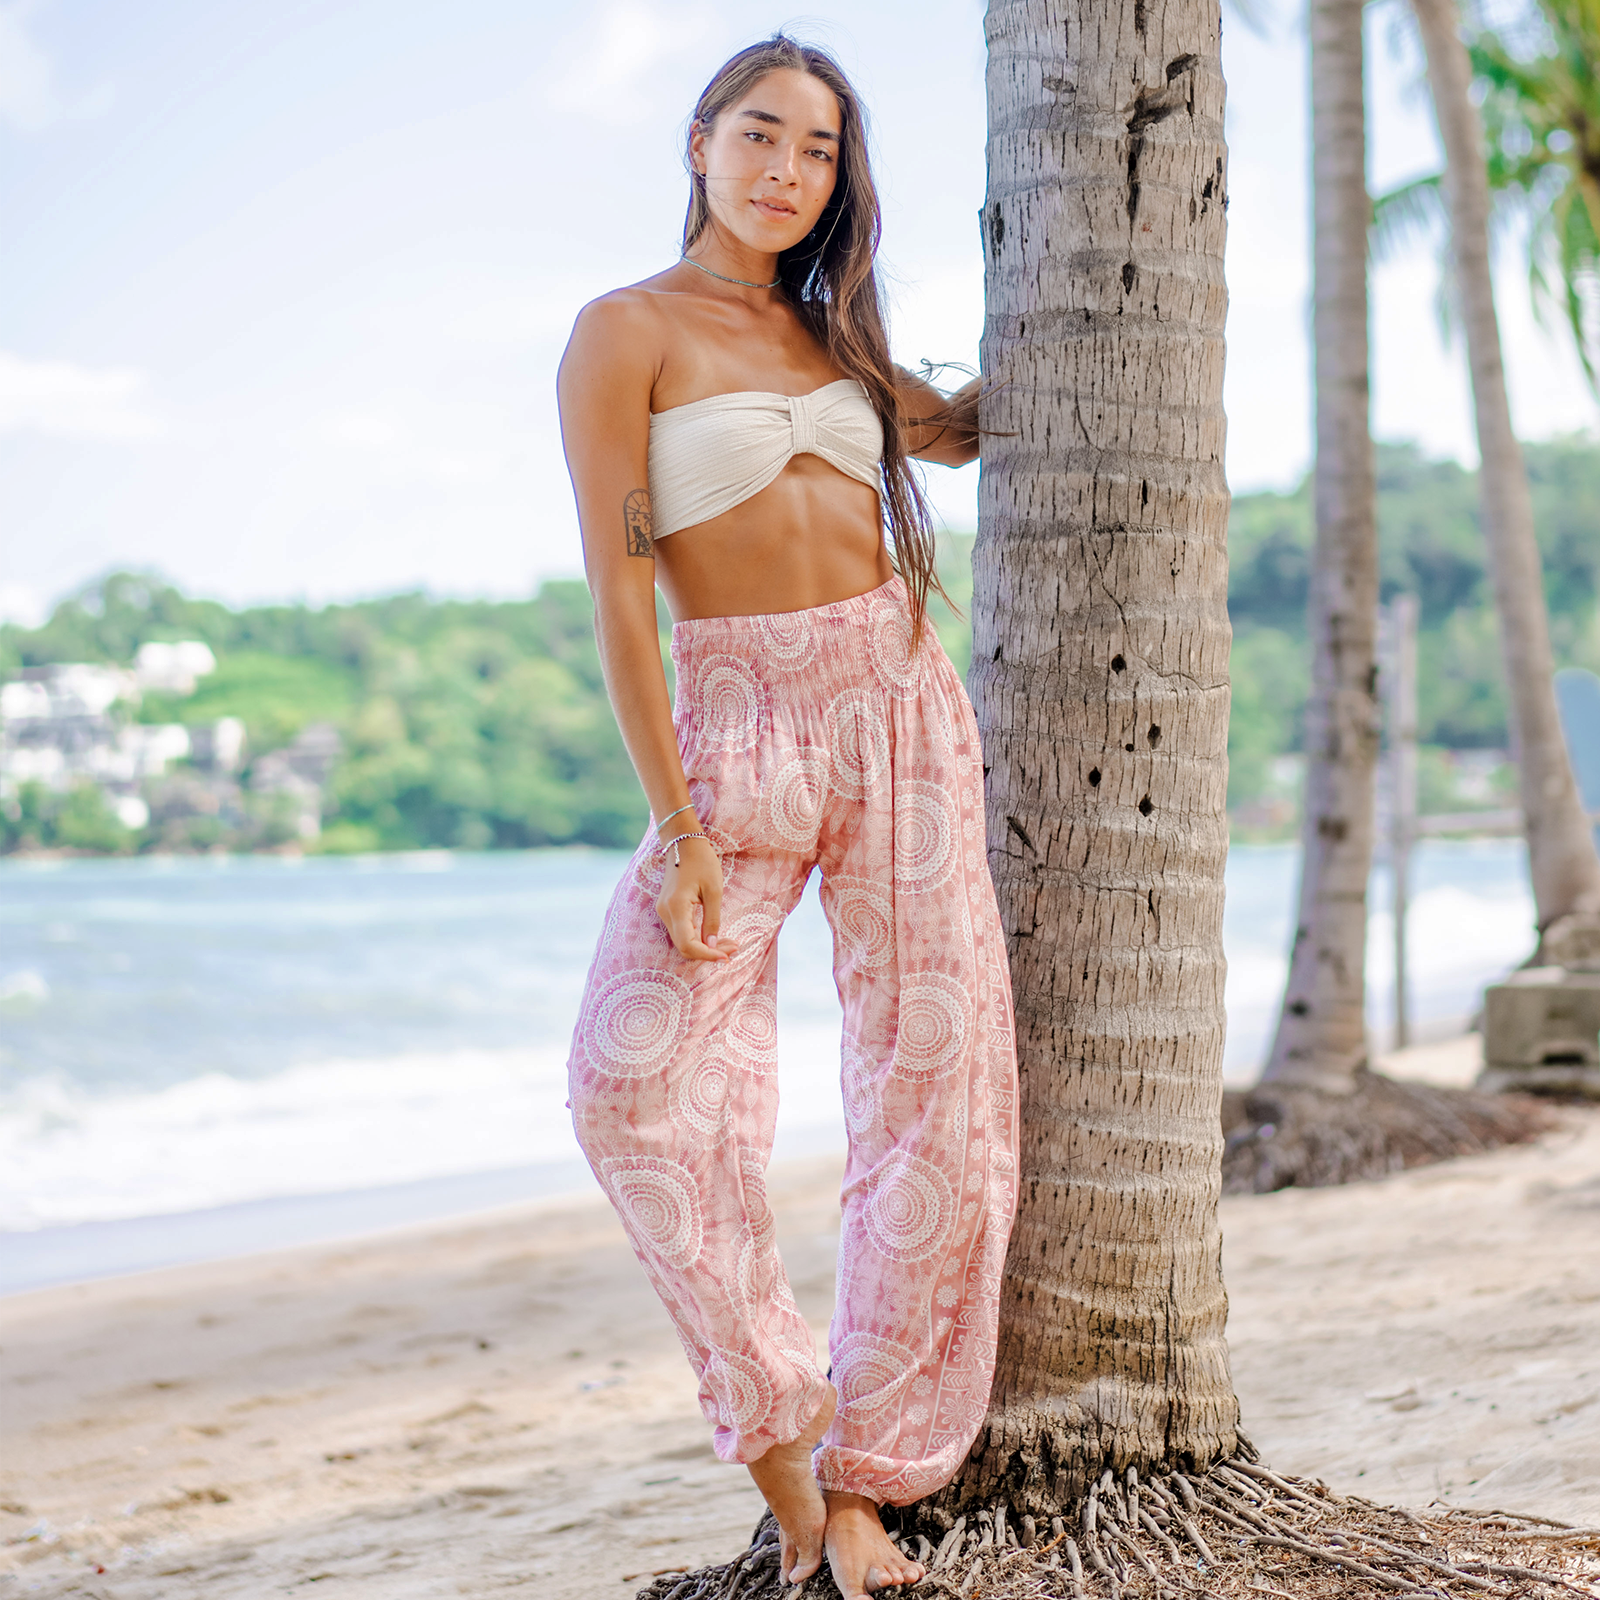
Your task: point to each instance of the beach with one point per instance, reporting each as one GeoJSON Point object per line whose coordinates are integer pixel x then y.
{"type": "Point", "coordinates": [496, 1401]}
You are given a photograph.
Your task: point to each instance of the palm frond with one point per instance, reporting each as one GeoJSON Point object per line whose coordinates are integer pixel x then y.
{"type": "Point", "coordinates": [1578, 251]}
{"type": "Point", "coordinates": [1405, 213]}
{"type": "Point", "coordinates": [1541, 120]}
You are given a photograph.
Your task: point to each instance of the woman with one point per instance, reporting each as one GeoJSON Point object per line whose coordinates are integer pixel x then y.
{"type": "Point", "coordinates": [737, 434]}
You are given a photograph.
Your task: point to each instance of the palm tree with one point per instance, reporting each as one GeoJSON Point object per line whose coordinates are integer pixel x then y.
{"type": "Point", "coordinates": [1563, 864]}
{"type": "Point", "coordinates": [1099, 675]}
{"type": "Point", "coordinates": [1321, 1037]}
{"type": "Point", "coordinates": [1542, 117]}
{"type": "Point", "coordinates": [1541, 114]}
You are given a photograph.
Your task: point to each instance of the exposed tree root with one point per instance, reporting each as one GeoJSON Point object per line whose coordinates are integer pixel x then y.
{"type": "Point", "coordinates": [1239, 1531]}
{"type": "Point", "coordinates": [1280, 1137]}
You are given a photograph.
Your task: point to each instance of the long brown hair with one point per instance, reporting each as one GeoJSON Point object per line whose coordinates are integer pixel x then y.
{"type": "Point", "coordinates": [832, 283]}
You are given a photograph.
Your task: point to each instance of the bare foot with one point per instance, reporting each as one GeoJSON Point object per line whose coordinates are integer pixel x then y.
{"type": "Point", "coordinates": [859, 1551]}
{"type": "Point", "coordinates": [787, 1484]}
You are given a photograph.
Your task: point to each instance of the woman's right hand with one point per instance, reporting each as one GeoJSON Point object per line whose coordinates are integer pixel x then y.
{"type": "Point", "coordinates": [690, 903]}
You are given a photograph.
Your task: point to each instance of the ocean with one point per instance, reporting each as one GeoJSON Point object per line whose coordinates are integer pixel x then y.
{"type": "Point", "coordinates": [351, 1040]}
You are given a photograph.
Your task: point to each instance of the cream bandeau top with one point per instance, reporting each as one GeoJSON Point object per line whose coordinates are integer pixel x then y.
{"type": "Point", "coordinates": [710, 455]}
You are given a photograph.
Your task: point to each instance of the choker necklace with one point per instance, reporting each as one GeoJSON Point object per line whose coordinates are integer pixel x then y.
{"type": "Point", "coordinates": [744, 283]}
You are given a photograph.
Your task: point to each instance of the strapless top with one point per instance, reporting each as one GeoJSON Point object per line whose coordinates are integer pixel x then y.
{"type": "Point", "coordinates": [710, 455]}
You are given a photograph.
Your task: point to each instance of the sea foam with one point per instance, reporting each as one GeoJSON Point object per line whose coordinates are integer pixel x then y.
{"type": "Point", "coordinates": [185, 997]}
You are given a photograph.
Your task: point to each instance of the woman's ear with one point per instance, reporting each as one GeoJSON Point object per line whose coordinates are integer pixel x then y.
{"type": "Point", "coordinates": [697, 148]}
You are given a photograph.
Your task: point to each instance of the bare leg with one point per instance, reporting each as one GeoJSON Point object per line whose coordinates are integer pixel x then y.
{"type": "Point", "coordinates": [859, 1550]}
{"type": "Point", "coordinates": [784, 1477]}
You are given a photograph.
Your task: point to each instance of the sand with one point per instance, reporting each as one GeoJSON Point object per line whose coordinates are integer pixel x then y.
{"type": "Point", "coordinates": [497, 1403]}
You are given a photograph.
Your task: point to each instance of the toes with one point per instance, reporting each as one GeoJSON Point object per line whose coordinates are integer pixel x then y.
{"type": "Point", "coordinates": [804, 1567]}
{"type": "Point", "coordinates": [803, 1556]}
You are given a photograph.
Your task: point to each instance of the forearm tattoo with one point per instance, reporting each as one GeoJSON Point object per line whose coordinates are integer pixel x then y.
{"type": "Point", "coordinates": [636, 523]}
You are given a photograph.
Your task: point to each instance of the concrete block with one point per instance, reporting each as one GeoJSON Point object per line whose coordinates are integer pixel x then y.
{"type": "Point", "coordinates": [1541, 1033]}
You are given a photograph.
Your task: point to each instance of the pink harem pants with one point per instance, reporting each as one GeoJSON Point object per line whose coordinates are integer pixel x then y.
{"type": "Point", "coordinates": [819, 739]}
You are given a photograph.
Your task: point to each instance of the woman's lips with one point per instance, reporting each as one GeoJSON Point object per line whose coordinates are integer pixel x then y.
{"type": "Point", "coordinates": [774, 210]}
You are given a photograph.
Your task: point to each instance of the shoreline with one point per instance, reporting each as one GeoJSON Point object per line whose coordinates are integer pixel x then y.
{"type": "Point", "coordinates": [379, 1021]}
{"type": "Point", "coordinates": [66, 1253]}
{"type": "Point", "coordinates": [1239, 834]}
{"type": "Point", "coordinates": [80, 1252]}
{"type": "Point", "coordinates": [83, 1252]}
{"type": "Point", "coordinates": [60, 1256]}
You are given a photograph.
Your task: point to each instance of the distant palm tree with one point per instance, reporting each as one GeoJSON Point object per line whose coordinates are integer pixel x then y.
{"type": "Point", "coordinates": [1321, 1040]}
{"type": "Point", "coordinates": [1541, 115]}
{"type": "Point", "coordinates": [1564, 867]}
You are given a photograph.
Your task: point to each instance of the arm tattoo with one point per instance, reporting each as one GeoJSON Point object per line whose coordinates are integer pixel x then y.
{"type": "Point", "coordinates": [636, 523]}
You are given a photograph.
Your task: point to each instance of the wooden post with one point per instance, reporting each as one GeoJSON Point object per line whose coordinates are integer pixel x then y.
{"type": "Point", "coordinates": [1401, 695]}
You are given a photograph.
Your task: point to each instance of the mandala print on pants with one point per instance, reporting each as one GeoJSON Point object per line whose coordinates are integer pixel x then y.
{"type": "Point", "coordinates": [818, 740]}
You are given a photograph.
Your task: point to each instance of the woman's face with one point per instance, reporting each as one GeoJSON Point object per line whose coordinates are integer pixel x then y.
{"type": "Point", "coordinates": [771, 159]}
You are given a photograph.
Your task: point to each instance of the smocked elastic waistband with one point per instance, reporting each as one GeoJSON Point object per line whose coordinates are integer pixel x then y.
{"type": "Point", "coordinates": [730, 667]}
{"type": "Point", "coordinates": [696, 629]}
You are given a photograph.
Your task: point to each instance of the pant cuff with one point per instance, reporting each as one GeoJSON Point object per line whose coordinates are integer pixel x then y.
{"type": "Point", "coordinates": [788, 1419]}
{"type": "Point", "coordinates": [885, 1480]}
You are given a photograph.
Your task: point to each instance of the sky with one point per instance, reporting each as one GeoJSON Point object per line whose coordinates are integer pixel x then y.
{"type": "Point", "coordinates": [284, 283]}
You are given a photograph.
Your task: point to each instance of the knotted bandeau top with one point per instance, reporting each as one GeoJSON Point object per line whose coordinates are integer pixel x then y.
{"type": "Point", "coordinates": [710, 455]}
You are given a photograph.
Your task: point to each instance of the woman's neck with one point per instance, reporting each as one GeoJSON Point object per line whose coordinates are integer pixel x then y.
{"type": "Point", "coordinates": [731, 260]}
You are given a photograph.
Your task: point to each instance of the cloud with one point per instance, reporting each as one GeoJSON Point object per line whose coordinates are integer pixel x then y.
{"type": "Point", "coordinates": [407, 437]}
{"type": "Point", "coordinates": [67, 401]}
{"type": "Point", "coordinates": [29, 98]}
{"type": "Point", "coordinates": [23, 605]}
{"type": "Point", "coordinates": [360, 430]}
{"type": "Point", "coordinates": [615, 64]}
{"type": "Point", "coordinates": [537, 316]}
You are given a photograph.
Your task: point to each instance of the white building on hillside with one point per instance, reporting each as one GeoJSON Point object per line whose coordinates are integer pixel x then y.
{"type": "Point", "coordinates": [61, 726]}
{"type": "Point", "coordinates": [173, 668]}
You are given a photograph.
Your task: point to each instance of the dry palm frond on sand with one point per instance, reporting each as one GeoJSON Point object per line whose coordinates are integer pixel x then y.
{"type": "Point", "coordinates": [1238, 1532]}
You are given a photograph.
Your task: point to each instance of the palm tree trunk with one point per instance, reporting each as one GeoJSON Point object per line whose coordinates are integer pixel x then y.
{"type": "Point", "coordinates": [1321, 1040]}
{"type": "Point", "coordinates": [1100, 680]}
{"type": "Point", "coordinates": [1562, 860]}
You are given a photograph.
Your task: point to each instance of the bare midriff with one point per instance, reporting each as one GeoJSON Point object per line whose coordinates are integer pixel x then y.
{"type": "Point", "coordinates": [813, 536]}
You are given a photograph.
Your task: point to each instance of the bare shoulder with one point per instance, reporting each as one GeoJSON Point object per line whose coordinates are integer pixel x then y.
{"type": "Point", "coordinates": [627, 324]}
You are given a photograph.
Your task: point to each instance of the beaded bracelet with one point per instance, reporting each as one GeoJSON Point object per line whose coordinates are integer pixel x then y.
{"type": "Point", "coordinates": [671, 814]}
{"type": "Point", "coordinates": [672, 845]}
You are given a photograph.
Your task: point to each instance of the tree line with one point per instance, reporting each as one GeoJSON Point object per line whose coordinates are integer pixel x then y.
{"type": "Point", "coordinates": [467, 724]}
{"type": "Point", "coordinates": [1430, 544]}
{"type": "Point", "coordinates": [484, 724]}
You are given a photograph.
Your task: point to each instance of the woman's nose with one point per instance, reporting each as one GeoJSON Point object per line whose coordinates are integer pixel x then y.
{"type": "Point", "coordinates": [783, 168]}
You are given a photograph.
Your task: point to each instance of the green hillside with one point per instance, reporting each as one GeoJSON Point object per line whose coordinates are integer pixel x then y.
{"type": "Point", "coordinates": [1429, 545]}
